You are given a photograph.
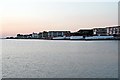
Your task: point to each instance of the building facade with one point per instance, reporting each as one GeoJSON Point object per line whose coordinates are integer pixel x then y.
{"type": "Point", "coordinates": [100, 31]}
{"type": "Point", "coordinates": [40, 35]}
{"type": "Point", "coordinates": [113, 31]}
{"type": "Point", "coordinates": [35, 35]}
{"type": "Point", "coordinates": [52, 34]}
{"type": "Point", "coordinates": [44, 34]}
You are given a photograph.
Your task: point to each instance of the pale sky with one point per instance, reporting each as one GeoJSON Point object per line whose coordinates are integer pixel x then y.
{"type": "Point", "coordinates": [27, 16]}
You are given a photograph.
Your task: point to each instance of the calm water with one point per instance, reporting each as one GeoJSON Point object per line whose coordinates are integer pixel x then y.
{"type": "Point", "coordinates": [59, 59]}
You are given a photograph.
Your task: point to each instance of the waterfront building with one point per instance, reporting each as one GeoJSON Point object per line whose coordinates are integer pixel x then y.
{"type": "Point", "coordinates": [81, 34]}
{"type": "Point", "coordinates": [95, 33]}
{"type": "Point", "coordinates": [35, 35]}
{"type": "Point", "coordinates": [40, 35]}
{"type": "Point", "coordinates": [113, 31]}
{"type": "Point", "coordinates": [44, 34]}
{"type": "Point", "coordinates": [20, 36]}
{"type": "Point", "coordinates": [52, 34]}
{"type": "Point", "coordinates": [85, 32]}
{"type": "Point", "coordinates": [100, 31]}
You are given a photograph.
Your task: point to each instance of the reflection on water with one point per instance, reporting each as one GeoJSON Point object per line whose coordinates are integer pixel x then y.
{"type": "Point", "coordinates": [59, 59]}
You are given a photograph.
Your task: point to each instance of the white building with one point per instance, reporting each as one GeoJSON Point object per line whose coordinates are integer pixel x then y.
{"type": "Point", "coordinates": [58, 33]}
{"type": "Point", "coordinates": [113, 30]}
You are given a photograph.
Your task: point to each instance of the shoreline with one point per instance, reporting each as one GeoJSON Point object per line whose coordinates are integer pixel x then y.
{"type": "Point", "coordinates": [67, 39]}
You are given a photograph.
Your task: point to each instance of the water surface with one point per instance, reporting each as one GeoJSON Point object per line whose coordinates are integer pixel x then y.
{"type": "Point", "coordinates": [59, 59]}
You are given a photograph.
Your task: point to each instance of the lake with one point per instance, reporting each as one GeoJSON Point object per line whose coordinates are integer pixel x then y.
{"type": "Point", "coordinates": [59, 59]}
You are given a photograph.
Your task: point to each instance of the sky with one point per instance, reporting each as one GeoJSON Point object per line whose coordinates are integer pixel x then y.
{"type": "Point", "coordinates": [27, 16]}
